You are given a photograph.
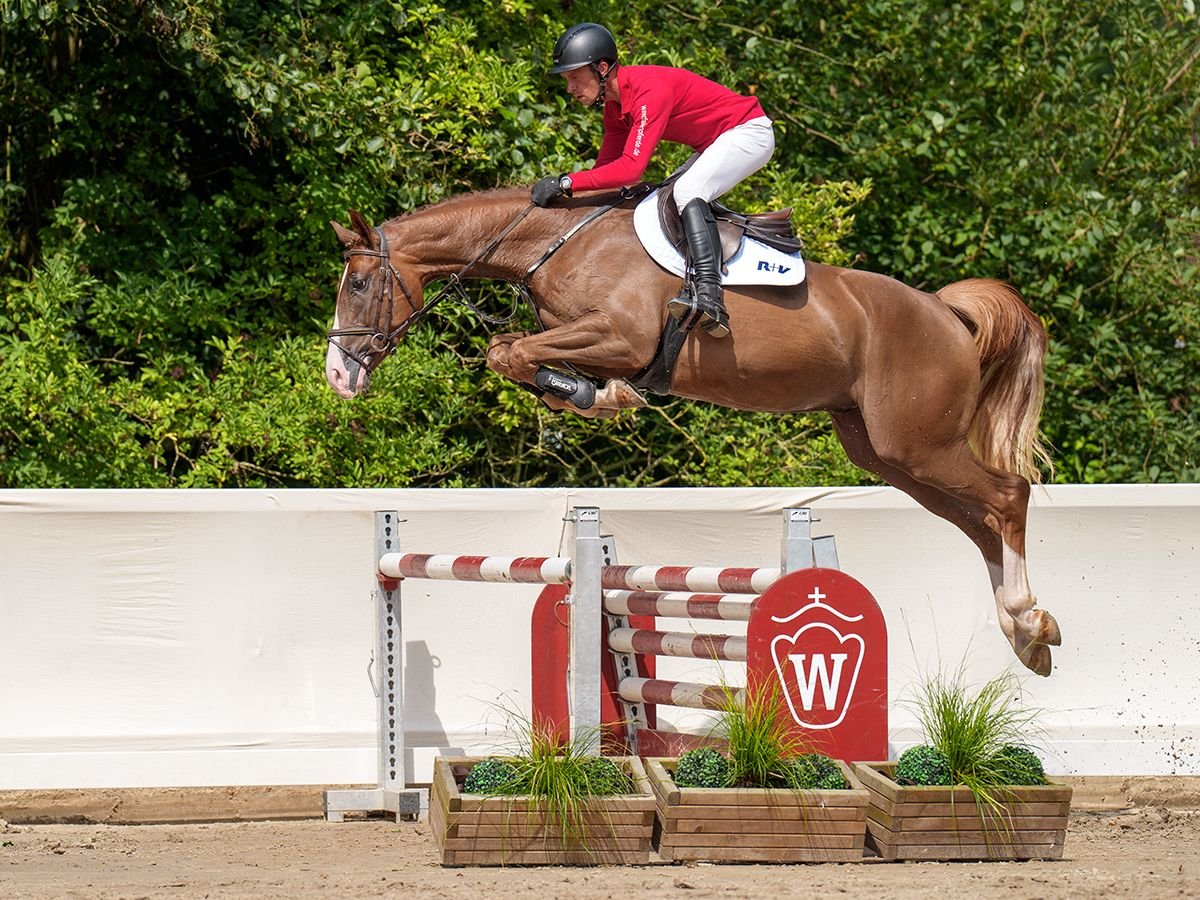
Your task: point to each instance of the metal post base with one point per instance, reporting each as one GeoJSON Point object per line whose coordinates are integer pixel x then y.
{"type": "Point", "coordinates": [404, 805]}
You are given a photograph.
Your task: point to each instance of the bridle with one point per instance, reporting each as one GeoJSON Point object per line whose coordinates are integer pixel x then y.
{"type": "Point", "coordinates": [383, 341]}
{"type": "Point", "coordinates": [384, 338]}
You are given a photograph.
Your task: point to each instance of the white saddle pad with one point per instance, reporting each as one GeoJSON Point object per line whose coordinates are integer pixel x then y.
{"type": "Point", "coordinates": [754, 263]}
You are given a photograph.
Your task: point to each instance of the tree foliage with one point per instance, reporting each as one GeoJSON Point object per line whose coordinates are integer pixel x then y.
{"type": "Point", "coordinates": [167, 270]}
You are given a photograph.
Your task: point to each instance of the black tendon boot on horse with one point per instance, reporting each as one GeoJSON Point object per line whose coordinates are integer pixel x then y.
{"type": "Point", "coordinates": [704, 248]}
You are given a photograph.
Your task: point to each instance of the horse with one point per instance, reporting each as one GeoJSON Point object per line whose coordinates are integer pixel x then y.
{"type": "Point", "coordinates": [939, 394]}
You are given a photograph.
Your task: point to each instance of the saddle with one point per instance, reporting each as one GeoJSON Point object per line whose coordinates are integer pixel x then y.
{"type": "Point", "coordinates": [771, 228]}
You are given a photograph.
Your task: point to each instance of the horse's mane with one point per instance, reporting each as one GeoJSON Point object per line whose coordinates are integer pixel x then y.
{"type": "Point", "coordinates": [471, 197]}
{"type": "Point", "coordinates": [499, 194]}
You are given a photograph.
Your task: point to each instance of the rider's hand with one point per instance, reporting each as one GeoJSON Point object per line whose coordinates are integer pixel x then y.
{"type": "Point", "coordinates": [547, 189]}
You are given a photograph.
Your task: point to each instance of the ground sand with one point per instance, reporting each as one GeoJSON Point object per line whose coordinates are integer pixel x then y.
{"type": "Point", "coordinates": [1143, 852]}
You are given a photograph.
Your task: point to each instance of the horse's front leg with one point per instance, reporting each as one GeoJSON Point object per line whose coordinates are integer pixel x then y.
{"type": "Point", "coordinates": [588, 342]}
{"type": "Point", "coordinates": [498, 354]}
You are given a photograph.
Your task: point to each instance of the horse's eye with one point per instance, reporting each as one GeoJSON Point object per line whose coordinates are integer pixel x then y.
{"type": "Point", "coordinates": [358, 283]}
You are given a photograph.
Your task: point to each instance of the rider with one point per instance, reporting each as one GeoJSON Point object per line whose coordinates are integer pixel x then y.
{"type": "Point", "coordinates": [643, 105]}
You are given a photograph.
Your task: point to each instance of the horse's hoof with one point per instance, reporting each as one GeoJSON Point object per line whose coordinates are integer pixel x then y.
{"type": "Point", "coordinates": [1037, 659]}
{"type": "Point", "coordinates": [624, 395]}
{"type": "Point", "coordinates": [497, 361]}
{"type": "Point", "coordinates": [1040, 627]}
{"type": "Point", "coordinates": [1049, 633]}
{"type": "Point", "coordinates": [602, 412]}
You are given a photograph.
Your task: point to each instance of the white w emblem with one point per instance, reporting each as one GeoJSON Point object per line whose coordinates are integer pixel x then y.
{"type": "Point", "coordinates": [818, 668]}
{"type": "Point", "coordinates": [806, 681]}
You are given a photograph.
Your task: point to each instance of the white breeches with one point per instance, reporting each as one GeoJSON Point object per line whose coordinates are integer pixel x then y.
{"type": "Point", "coordinates": [733, 157]}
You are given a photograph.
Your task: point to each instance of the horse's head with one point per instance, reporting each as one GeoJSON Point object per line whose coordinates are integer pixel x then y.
{"type": "Point", "coordinates": [375, 306]}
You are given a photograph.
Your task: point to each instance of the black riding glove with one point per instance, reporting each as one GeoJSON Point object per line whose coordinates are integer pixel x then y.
{"type": "Point", "coordinates": [547, 189]}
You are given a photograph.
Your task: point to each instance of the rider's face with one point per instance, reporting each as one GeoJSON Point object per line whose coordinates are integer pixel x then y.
{"type": "Point", "coordinates": [583, 85]}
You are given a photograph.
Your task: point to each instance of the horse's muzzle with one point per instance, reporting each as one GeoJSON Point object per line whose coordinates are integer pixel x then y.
{"type": "Point", "coordinates": [359, 375]}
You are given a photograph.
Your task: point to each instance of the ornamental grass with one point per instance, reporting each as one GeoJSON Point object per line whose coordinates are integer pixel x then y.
{"type": "Point", "coordinates": [979, 738]}
{"type": "Point", "coordinates": [763, 751]}
{"type": "Point", "coordinates": [564, 773]}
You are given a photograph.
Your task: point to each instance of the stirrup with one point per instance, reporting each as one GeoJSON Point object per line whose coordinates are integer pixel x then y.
{"type": "Point", "coordinates": [683, 307]}
{"type": "Point", "coordinates": [689, 311]}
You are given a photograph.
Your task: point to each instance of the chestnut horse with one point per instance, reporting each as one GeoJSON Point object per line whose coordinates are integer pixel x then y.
{"type": "Point", "coordinates": [938, 394]}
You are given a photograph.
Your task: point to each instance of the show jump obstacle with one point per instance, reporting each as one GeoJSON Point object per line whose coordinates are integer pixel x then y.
{"type": "Point", "coordinates": [811, 629]}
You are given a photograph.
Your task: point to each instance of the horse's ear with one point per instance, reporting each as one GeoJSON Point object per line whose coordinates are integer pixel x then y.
{"type": "Point", "coordinates": [345, 235]}
{"type": "Point", "coordinates": [364, 229]}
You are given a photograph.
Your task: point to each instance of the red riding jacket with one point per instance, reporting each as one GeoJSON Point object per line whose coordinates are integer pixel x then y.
{"type": "Point", "coordinates": [660, 103]}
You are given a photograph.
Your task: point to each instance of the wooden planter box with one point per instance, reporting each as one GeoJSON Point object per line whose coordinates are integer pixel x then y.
{"type": "Point", "coordinates": [757, 824]}
{"type": "Point", "coordinates": [478, 830]}
{"type": "Point", "coordinates": [907, 822]}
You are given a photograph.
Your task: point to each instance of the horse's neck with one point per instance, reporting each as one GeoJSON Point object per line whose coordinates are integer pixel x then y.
{"type": "Point", "coordinates": [444, 238]}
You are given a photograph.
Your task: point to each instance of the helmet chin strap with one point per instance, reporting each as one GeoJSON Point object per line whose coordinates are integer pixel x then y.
{"type": "Point", "coordinates": [598, 103]}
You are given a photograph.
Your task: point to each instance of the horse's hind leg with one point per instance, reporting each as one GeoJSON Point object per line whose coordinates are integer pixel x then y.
{"type": "Point", "coordinates": [979, 499]}
{"type": "Point", "coordinates": [1004, 499]}
{"type": "Point", "coordinates": [968, 517]}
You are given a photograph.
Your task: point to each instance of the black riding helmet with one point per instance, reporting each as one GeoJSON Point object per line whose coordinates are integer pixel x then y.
{"type": "Point", "coordinates": [582, 45]}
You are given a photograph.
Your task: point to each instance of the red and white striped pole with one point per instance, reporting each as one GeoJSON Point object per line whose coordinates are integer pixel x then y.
{"type": "Point", "coordinates": [679, 605]}
{"type": "Point", "coordinates": [702, 579]}
{"type": "Point", "coordinates": [678, 643]}
{"type": "Point", "coordinates": [556, 570]}
{"type": "Point", "coordinates": [678, 693]}
{"type": "Point", "coordinates": [495, 569]}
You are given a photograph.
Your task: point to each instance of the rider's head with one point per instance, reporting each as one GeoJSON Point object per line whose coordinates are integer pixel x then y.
{"type": "Point", "coordinates": [586, 55]}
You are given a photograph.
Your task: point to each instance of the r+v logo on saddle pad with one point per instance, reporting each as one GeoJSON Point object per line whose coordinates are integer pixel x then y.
{"type": "Point", "coordinates": [764, 266]}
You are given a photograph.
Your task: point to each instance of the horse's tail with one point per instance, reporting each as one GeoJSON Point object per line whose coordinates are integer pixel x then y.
{"type": "Point", "coordinates": [1012, 353]}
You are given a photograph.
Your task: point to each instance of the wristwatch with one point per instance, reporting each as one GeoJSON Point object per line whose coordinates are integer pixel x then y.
{"type": "Point", "coordinates": [564, 182]}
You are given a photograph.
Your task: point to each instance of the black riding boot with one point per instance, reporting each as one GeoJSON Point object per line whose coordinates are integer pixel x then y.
{"type": "Point", "coordinates": [704, 248]}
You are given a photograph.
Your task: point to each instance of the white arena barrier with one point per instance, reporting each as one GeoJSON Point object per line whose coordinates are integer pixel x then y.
{"type": "Point", "coordinates": [193, 638]}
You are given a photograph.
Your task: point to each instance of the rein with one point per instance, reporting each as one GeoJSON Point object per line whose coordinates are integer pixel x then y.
{"type": "Point", "coordinates": [384, 341]}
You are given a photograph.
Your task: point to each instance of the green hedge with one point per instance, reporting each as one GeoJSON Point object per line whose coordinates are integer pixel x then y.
{"type": "Point", "coordinates": [168, 271]}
